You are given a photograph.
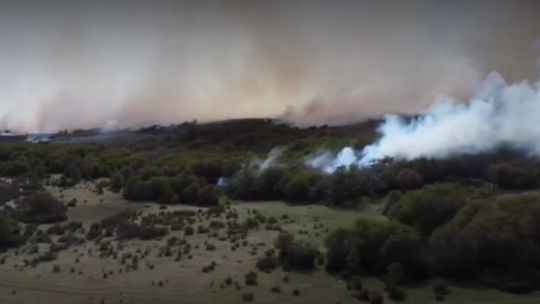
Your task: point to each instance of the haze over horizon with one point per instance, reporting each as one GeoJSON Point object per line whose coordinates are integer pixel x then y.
{"type": "Point", "coordinates": [115, 64]}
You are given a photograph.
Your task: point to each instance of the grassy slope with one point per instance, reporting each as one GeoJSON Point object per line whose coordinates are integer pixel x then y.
{"type": "Point", "coordinates": [184, 281]}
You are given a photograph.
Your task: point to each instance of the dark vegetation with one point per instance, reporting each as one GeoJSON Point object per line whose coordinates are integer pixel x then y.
{"type": "Point", "coordinates": [294, 254]}
{"type": "Point", "coordinates": [447, 231]}
{"type": "Point", "coordinates": [10, 235]}
{"type": "Point", "coordinates": [445, 217]}
{"type": "Point", "coordinates": [186, 162]}
{"type": "Point", "coordinates": [41, 207]}
{"type": "Point", "coordinates": [294, 183]}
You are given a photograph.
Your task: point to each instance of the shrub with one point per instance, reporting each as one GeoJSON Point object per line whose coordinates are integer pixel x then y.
{"type": "Point", "coordinates": [490, 235]}
{"type": "Point", "coordinates": [148, 232]}
{"type": "Point", "coordinates": [117, 182]}
{"type": "Point", "coordinates": [9, 233]}
{"type": "Point", "coordinates": [94, 231]}
{"type": "Point", "coordinates": [356, 283]}
{"type": "Point", "coordinates": [267, 263]}
{"type": "Point", "coordinates": [191, 193]}
{"type": "Point", "coordinates": [512, 176]}
{"type": "Point", "coordinates": [56, 229]}
{"type": "Point", "coordinates": [275, 289]}
{"type": "Point", "coordinates": [371, 245]}
{"type": "Point", "coordinates": [299, 187]}
{"type": "Point", "coordinates": [41, 208]}
{"type": "Point", "coordinates": [247, 297]}
{"type": "Point", "coordinates": [201, 229]}
{"type": "Point", "coordinates": [56, 269]}
{"type": "Point", "coordinates": [189, 230]}
{"type": "Point", "coordinates": [48, 256]}
{"type": "Point", "coordinates": [394, 275]}
{"type": "Point", "coordinates": [391, 199]}
{"type": "Point", "coordinates": [14, 168]}
{"type": "Point", "coordinates": [9, 192]}
{"type": "Point", "coordinates": [73, 226]}
{"type": "Point", "coordinates": [250, 223]}
{"type": "Point", "coordinates": [208, 196]}
{"type": "Point", "coordinates": [408, 179]}
{"type": "Point", "coordinates": [396, 294]}
{"type": "Point", "coordinates": [440, 288]}
{"type": "Point", "coordinates": [429, 207]}
{"type": "Point", "coordinates": [362, 295]}
{"type": "Point", "coordinates": [72, 203]}
{"type": "Point", "coordinates": [296, 255]}
{"type": "Point", "coordinates": [216, 225]}
{"type": "Point", "coordinates": [251, 278]}
{"type": "Point", "coordinates": [375, 297]}
{"type": "Point", "coordinates": [136, 190]}
{"type": "Point", "coordinates": [216, 210]}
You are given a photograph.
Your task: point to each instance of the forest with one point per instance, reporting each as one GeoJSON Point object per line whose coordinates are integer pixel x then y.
{"type": "Point", "coordinates": [458, 218]}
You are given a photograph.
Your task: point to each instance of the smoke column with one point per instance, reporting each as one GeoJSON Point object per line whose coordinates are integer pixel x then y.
{"type": "Point", "coordinates": [127, 63]}
{"type": "Point", "coordinates": [270, 160]}
{"type": "Point", "coordinates": [499, 114]}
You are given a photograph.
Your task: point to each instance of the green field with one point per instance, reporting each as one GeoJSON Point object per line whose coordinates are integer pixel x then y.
{"type": "Point", "coordinates": [183, 281]}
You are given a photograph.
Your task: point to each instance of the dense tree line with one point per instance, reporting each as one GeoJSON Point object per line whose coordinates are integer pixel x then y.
{"type": "Point", "coordinates": [299, 184]}
{"type": "Point", "coordinates": [449, 231]}
{"type": "Point", "coordinates": [150, 170]}
{"type": "Point", "coordinates": [182, 188]}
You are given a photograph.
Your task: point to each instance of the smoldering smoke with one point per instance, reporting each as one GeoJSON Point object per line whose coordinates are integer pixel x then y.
{"type": "Point", "coordinates": [499, 114]}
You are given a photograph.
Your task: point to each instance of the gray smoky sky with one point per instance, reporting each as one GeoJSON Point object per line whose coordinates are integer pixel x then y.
{"type": "Point", "coordinates": [113, 64]}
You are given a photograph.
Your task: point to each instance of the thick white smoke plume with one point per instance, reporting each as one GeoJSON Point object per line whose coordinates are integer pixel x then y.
{"type": "Point", "coordinates": [499, 114]}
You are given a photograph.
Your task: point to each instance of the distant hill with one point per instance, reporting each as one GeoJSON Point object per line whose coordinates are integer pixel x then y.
{"type": "Point", "coordinates": [257, 134]}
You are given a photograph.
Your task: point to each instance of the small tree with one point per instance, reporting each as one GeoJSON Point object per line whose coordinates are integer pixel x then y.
{"type": "Point", "coordinates": [208, 196]}
{"type": "Point", "coordinates": [41, 208]}
{"type": "Point", "coordinates": [296, 255]}
{"type": "Point", "coordinates": [9, 233]}
{"type": "Point", "coordinates": [117, 182]}
{"type": "Point", "coordinates": [440, 289]}
{"type": "Point", "coordinates": [251, 278]}
{"type": "Point", "coordinates": [191, 193]}
{"type": "Point", "coordinates": [267, 263]}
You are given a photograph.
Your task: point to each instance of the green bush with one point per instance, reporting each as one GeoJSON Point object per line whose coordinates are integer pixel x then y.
{"type": "Point", "coordinates": [429, 207]}
{"type": "Point", "coordinates": [511, 176]}
{"type": "Point", "coordinates": [298, 189]}
{"type": "Point", "coordinates": [296, 255]}
{"type": "Point", "coordinates": [191, 194]}
{"type": "Point", "coordinates": [267, 263]}
{"type": "Point", "coordinates": [10, 234]}
{"type": "Point", "coordinates": [490, 235]}
{"type": "Point", "coordinates": [189, 230]}
{"type": "Point", "coordinates": [41, 208]}
{"type": "Point", "coordinates": [251, 278]}
{"type": "Point", "coordinates": [440, 288]}
{"type": "Point", "coordinates": [376, 297]}
{"type": "Point", "coordinates": [371, 245]}
{"type": "Point", "coordinates": [9, 192]}
{"type": "Point", "coordinates": [117, 182]}
{"type": "Point", "coordinates": [247, 297]}
{"type": "Point", "coordinates": [14, 168]}
{"type": "Point", "coordinates": [208, 196]}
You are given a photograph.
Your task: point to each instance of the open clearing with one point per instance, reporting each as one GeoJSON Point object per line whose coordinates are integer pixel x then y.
{"type": "Point", "coordinates": [85, 277]}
